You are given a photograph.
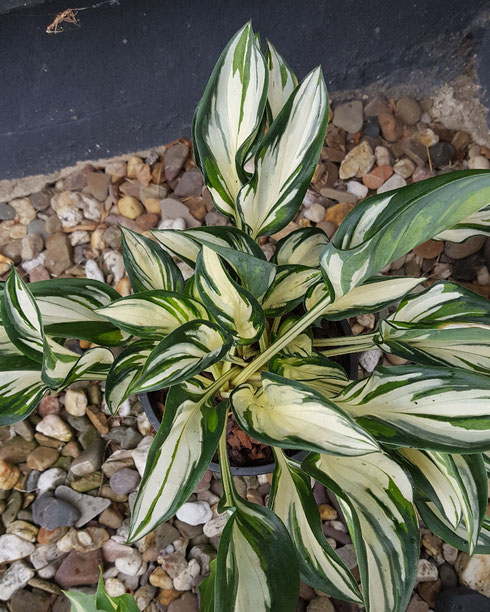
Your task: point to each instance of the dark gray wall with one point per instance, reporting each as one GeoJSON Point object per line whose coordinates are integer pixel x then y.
{"type": "Point", "coordinates": [130, 75]}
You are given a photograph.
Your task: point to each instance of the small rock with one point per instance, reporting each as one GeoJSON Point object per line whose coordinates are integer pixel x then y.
{"type": "Point", "coordinates": [9, 475]}
{"type": "Point", "coordinates": [87, 482]}
{"type": "Point", "coordinates": [114, 587]}
{"type": "Point", "coordinates": [51, 512]}
{"type": "Point", "coordinates": [349, 116]}
{"type": "Point", "coordinates": [13, 506]}
{"type": "Point", "coordinates": [327, 512]}
{"type": "Point", "coordinates": [190, 184]}
{"type": "Point", "coordinates": [159, 578]}
{"type": "Point", "coordinates": [357, 162]}
{"type": "Point", "coordinates": [377, 105]}
{"type": "Point", "coordinates": [450, 553]}
{"type": "Point", "coordinates": [404, 167]}
{"type": "Point", "coordinates": [390, 126]}
{"type": "Point", "coordinates": [370, 359]}
{"type": "Point", "coordinates": [42, 458]}
{"type": "Point", "coordinates": [79, 568]}
{"type": "Point", "coordinates": [90, 460]}
{"type": "Point", "coordinates": [417, 604]}
{"type": "Point", "coordinates": [204, 554]}
{"type": "Point", "coordinates": [54, 427]}
{"type": "Point", "coordinates": [357, 189]}
{"type": "Point", "coordinates": [110, 518]}
{"type": "Point", "coordinates": [320, 604]}
{"type": "Point", "coordinates": [420, 174]}
{"type": "Point", "coordinates": [7, 213]}
{"type": "Point", "coordinates": [408, 110]}
{"type": "Point", "coordinates": [132, 564]}
{"type": "Point", "coordinates": [461, 600]}
{"type": "Point", "coordinates": [187, 579]}
{"type": "Point", "coordinates": [93, 272]}
{"type": "Point", "coordinates": [24, 212]}
{"type": "Point", "coordinates": [315, 213]}
{"type": "Point", "coordinates": [429, 249]}
{"type": "Point", "coordinates": [337, 213]}
{"type": "Point", "coordinates": [124, 481]}
{"type": "Point", "coordinates": [441, 153]}
{"type": "Point", "coordinates": [130, 207]}
{"type": "Point", "coordinates": [76, 402]}
{"type": "Point", "coordinates": [195, 513]}
{"type": "Point", "coordinates": [49, 405]}
{"type": "Point", "coordinates": [382, 155]}
{"type": "Point", "coordinates": [13, 547]}
{"type": "Point", "coordinates": [460, 250]}
{"type": "Point", "coordinates": [32, 245]}
{"type": "Point", "coordinates": [165, 535]}
{"type": "Point", "coordinates": [215, 526]}
{"type": "Point", "coordinates": [394, 182]}
{"type": "Point", "coordinates": [427, 571]}
{"type": "Point", "coordinates": [448, 576]}
{"type": "Point", "coordinates": [173, 209]}
{"type": "Point", "coordinates": [98, 185]}
{"type": "Point", "coordinates": [174, 563]}
{"type": "Point", "coordinates": [174, 159]}
{"type": "Point", "coordinates": [337, 195]}
{"type": "Point", "coordinates": [474, 572]}
{"type": "Point", "coordinates": [167, 596]}
{"type": "Point", "coordinates": [429, 591]}
{"type": "Point", "coordinates": [478, 163]}
{"type": "Point", "coordinates": [58, 254]}
{"type": "Point", "coordinates": [144, 596]}
{"type": "Point", "coordinates": [50, 479]}
{"type": "Point", "coordinates": [115, 264]}
{"type": "Point", "coordinates": [371, 127]}
{"type": "Point", "coordinates": [24, 530]}
{"type": "Point", "coordinates": [14, 579]}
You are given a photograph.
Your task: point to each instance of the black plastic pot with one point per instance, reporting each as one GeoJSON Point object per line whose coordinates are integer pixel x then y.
{"type": "Point", "coordinates": [348, 362]}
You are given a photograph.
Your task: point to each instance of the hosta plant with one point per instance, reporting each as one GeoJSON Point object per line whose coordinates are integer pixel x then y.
{"type": "Point", "coordinates": [237, 340]}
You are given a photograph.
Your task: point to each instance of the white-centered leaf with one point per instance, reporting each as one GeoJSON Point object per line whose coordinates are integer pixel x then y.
{"type": "Point", "coordinates": [178, 457]}
{"type": "Point", "coordinates": [455, 484]}
{"type": "Point", "coordinates": [439, 409]}
{"type": "Point", "coordinates": [290, 414]}
{"type": "Point", "coordinates": [282, 81]}
{"type": "Point", "coordinates": [288, 288]}
{"type": "Point", "coordinates": [376, 497]}
{"type": "Point", "coordinates": [229, 116]}
{"type": "Point", "coordinates": [153, 314]}
{"type": "Point", "coordinates": [316, 371]}
{"type": "Point", "coordinates": [185, 352]}
{"type": "Point", "coordinates": [382, 228]}
{"type": "Point", "coordinates": [291, 499]}
{"type": "Point", "coordinates": [232, 306]}
{"type": "Point", "coordinates": [148, 265]}
{"type": "Point", "coordinates": [21, 388]}
{"type": "Point", "coordinates": [476, 224]}
{"type": "Point", "coordinates": [303, 246]}
{"type": "Point", "coordinates": [286, 159]}
{"type": "Point", "coordinates": [300, 345]}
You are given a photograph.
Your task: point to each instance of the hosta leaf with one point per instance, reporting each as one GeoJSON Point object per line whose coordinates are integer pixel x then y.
{"type": "Point", "coordinates": [125, 370]}
{"type": "Point", "coordinates": [316, 371]}
{"type": "Point", "coordinates": [286, 159]}
{"type": "Point", "coordinates": [303, 246]}
{"type": "Point", "coordinates": [61, 367]}
{"type": "Point", "coordinates": [461, 345]}
{"type": "Point", "coordinates": [376, 497]}
{"type": "Point", "coordinates": [288, 288]}
{"type": "Point", "coordinates": [233, 307]}
{"type": "Point", "coordinates": [153, 314]}
{"type": "Point", "coordinates": [300, 345]}
{"type": "Point", "coordinates": [374, 295]}
{"type": "Point", "coordinates": [188, 350]}
{"type": "Point", "coordinates": [21, 388]}
{"type": "Point", "coordinates": [68, 305]}
{"type": "Point", "coordinates": [207, 588]}
{"type": "Point", "coordinates": [291, 499]}
{"type": "Point", "coordinates": [178, 457]}
{"type": "Point", "coordinates": [282, 81]}
{"type": "Point", "coordinates": [148, 265]}
{"type": "Point", "coordinates": [289, 414]}
{"type": "Point", "coordinates": [383, 228]}
{"type": "Point", "coordinates": [476, 224]}
{"type": "Point", "coordinates": [186, 244]}
{"type": "Point", "coordinates": [228, 117]}
{"type": "Point", "coordinates": [440, 409]}
{"type": "Point", "coordinates": [455, 484]}
{"type": "Point", "coordinates": [81, 602]}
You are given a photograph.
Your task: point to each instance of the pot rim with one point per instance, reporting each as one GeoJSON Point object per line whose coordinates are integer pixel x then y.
{"type": "Point", "coordinates": [267, 468]}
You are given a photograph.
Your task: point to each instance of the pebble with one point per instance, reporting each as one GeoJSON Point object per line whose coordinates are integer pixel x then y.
{"type": "Point", "coordinates": [98, 185]}
{"type": "Point", "coordinates": [187, 579]}
{"type": "Point", "coordinates": [390, 126]}
{"type": "Point", "coordinates": [450, 553]}
{"type": "Point", "coordinates": [76, 402]}
{"type": "Point", "coordinates": [24, 530]}
{"type": "Point", "coordinates": [144, 596]}
{"type": "Point", "coordinates": [53, 426]}
{"type": "Point", "coordinates": [124, 481]}
{"type": "Point", "coordinates": [320, 604]}
{"type": "Point", "coordinates": [429, 249]}
{"type": "Point", "coordinates": [9, 475]}
{"type": "Point", "coordinates": [42, 457]}
{"type": "Point", "coordinates": [370, 359]}
{"type": "Point", "coordinates": [382, 155]}
{"type": "Point", "coordinates": [7, 213]}
{"type": "Point", "coordinates": [194, 513]}
{"type": "Point", "coordinates": [357, 162]}
{"type": "Point", "coordinates": [51, 512]}
{"type": "Point", "coordinates": [478, 163]}
{"type": "Point", "coordinates": [78, 569]}
{"type": "Point", "coordinates": [349, 116]}
{"type": "Point", "coordinates": [174, 563]}
{"type": "Point", "coordinates": [448, 576]}
{"type": "Point", "coordinates": [174, 159]}
{"type": "Point", "coordinates": [13, 547]}
{"type": "Point", "coordinates": [58, 254]}
{"type": "Point", "coordinates": [50, 479]}
{"type": "Point", "coordinates": [89, 460]}
{"type": "Point", "coordinates": [315, 213]}
{"type": "Point", "coordinates": [130, 207]}
{"type": "Point", "coordinates": [14, 579]}
{"type": "Point", "coordinates": [441, 153]}
{"type": "Point", "coordinates": [394, 182]}
{"type": "Point", "coordinates": [24, 212]}
{"type": "Point", "coordinates": [376, 105]}
{"type": "Point", "coordinates": [93, 271]}
{"type": "Point", "coordinates": [427, 571]}
{"type": "Point", "coordinates": [173, 209]}
{"type": "Point", "coordinates": [404, 167]}
{"type": "Point", "coordinates": [474, 572]}
{"type": "Point", "coordinates": [408, 110]}
{"type": "Point", "coordinates": [87, 482]}
{"type": "Point", "coordinates": [114, 587]}
{"type": "Point", "coordinates": [132, 564]}
{"type": "Point", "coordinates": [460, 250]}
{"type": "Point", "coordinates": [461, 599]}
{"type": "Point", "coordinates": [190, 184]}
{"type": "Point", "coordinates": [215, 526]}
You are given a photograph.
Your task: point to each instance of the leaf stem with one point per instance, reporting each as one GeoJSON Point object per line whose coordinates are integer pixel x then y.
{"type": "Point", "coordinates": [226, 478]}
{"type": "Point", "coordinates": [355, 341]}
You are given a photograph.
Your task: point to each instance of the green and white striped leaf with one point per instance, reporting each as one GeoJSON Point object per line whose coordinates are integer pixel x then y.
{"type": "Point", "coordinates": [288, 288]}
{"type": "Point", "coordinates": [460, 345]}
{"type": "Point", "coordinates": [439, 409]}
{"type": "Point", "coordinates": [376, 497]}
{"type": "Point", "coordinates": [186, 244]}
{"type": "Point", "coordinates": [301, 345]}
{"type": "Point", "coordinates": [185, 352]}
{"type": "Point", "coordinates": [148, 265]}
{"type": "Point", "coordinates": [476, 224]}
{"type": "Point", "coordinates": [179, 455]}
{"type": "Point", "coordinates": [21, 388]}
{"type": "Point", "coordinates": [290, 414]}
{"type": "Point", "coordinates": [68, 305]}
{"type": "Point", "coordinates": [291, 499]}
{"type": "Point", "coordinates": [303, 247]}
{"type": "Point", "coordinates": [316, 371]}
{"type": "Point", "coordinates": [125, 370]}
{"type": "Point", "coordinates": [153, 314]}
{"type": "Point", "coordinates": [256, 567]}
{"type": "Point", "coordinates": [286, 159]}
{"type": "Point", "coordinates": [282, 81]}
{"type": "Point", "coordinates": [455, 484]}
{"type": "Point", "coordinates": [233, 307]}
{"type": "Point", "coordinates": [383, 228]}
{"type": "Point", "coordinates": [229, 116]}
{"type": "Point", "coordinates": [374, 295]}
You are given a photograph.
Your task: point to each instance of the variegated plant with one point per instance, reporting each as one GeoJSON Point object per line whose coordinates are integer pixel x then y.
{"type": "Point", "coordinates": [237, 340]}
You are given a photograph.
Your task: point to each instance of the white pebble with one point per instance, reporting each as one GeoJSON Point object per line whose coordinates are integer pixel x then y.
{"type": "Point", "coordinates": [215, 526]}
{"type": "Point", "coordinates": [195, 513]}
{"type": "Point", "coordinates": [114, 262]}
{"type": "Point", "coordinates": [369, 359]}
{"type": "Point", "coordinates": [33, 263]}
{"type": "Point", "coordinates": [394, 182]}
{"type": "Point", "coordinates": [175, 224]}
{"type": "Point", "coordinates": [114, 587]}
{"type": "Point", "coordinates": [130, 565]}
{"type": "Point", "coordinates": [50, 479]}
{"type": "Point", "coordinates": [382, 156]}
{"type": "Point", "coordinates": [315, 213]}
{"type": "Point", "coordinates": [478, 163]}
{"type": "Point", "coordinates": [93, 271]}
{"type": "Point", "coordinates": [358, 189]}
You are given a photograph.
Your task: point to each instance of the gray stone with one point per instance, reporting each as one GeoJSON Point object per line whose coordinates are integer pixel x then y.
{"type": "Point", "coordinates": [369, 359]}
{"type": "Point", "coordinates": [88, 506]}
{"type": "Point", "coordinates": [174, 159]}
{"type": "Point", "coordinates": [408, 110]}
{"type": "Point", "coordinates": [349, 116]}
{"type": "Point", "coordinates": [90, 460]}
{"type": "Point", "coordinates": [14, 579]}
{"type": "Point", "coordinates": [13, 547]}
{"type": "Point", "coordinates": [30, 600]}
{"type": "Point", "coordinates": [112, 237]}
{"type": "Point", "coordinates": [131, 438]}
{"type": "Point", "coordinates": [204, 554]}
{"type": "Point", "coordinates": [32, 480]}
{"type": "Point", "coordinates": [45, 555]}
{"type": "Point", "coordinates": [461, 600]}
{"type": "Point", "coordinates": [40, 200]}
{"type": "Point", "coordinates": [50, 479]}
{"type": "Point", "coordinates": [14, 504]}
{"type": "Point", "coordinates": [124, 481]}
{"type": "Point", "coordinates": [459, 250]}
{"type": "Point", "coordinates": [394, 182]}
{"type": "Point", "coordinates": [51, 512]}
{"type": "Point", "coordinates": [448, 576]}
{"type": "Point", "coordinates": [7, 213]}
{"type": "Point", "coordinates": [38, 226]}
{"type": "Point", "coordinates": [173, 209]}
{"type": "Point", "coordinates": [174, 564]}
{"type": "Point", "coordinates": [441, 153]}
{"type": "Point", "coordinates": [165, 535]}
{"type": "Point", "coordinates": [58, 255]}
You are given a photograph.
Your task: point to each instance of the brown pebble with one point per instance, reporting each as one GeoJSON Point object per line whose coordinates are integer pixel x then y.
{"type": "Point", "coordinates": [429, 249]}
{"type": "Point", "coordinates": [9, 475]}
{"type": "Point", "coordinates": [337, 213]}
{"type": "Point", "coordinates": [390, 126]}
{"type": "Point", "coordinates": [377, 177]}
